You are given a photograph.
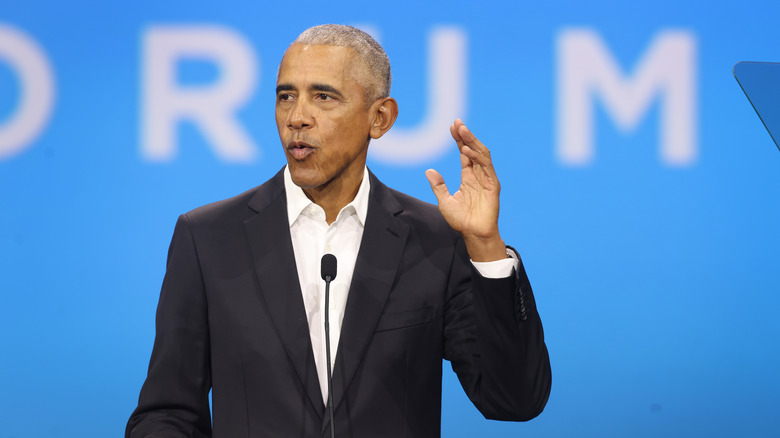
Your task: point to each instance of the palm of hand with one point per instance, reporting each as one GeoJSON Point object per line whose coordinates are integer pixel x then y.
{"type": "Point", "coordinates": [473, 209]}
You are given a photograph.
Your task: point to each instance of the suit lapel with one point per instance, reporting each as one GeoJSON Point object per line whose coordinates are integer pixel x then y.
{"type": "Point", "coordinates": [384, 238]}
{"type": "Point", "coordinates": [270, 244]}
{"type": "Point", "coordinates": [381, 248]}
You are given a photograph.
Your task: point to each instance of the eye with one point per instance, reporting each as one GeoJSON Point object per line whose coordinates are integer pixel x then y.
{"type": "Point", "coordinates": [325, 97]}
{"type": "Point", "coordinates": [282, 97]}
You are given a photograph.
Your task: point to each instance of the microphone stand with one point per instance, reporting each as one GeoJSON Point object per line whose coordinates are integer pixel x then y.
{"type": "Point", "coordinates": [327, 355]}
{"type": "Point", "coordinates": [328, 272]}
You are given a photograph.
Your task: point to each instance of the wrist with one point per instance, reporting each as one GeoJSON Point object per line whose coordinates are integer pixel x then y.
{"type": "Point", "coordinates": [482, 249]}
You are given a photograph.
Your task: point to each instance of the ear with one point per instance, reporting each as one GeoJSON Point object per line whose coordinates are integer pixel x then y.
{"type": "Point", "coordinates": [383, 113]}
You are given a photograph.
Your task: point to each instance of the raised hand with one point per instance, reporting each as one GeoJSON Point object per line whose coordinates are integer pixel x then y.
{"type": "Point", "coordinates": [472, 211]}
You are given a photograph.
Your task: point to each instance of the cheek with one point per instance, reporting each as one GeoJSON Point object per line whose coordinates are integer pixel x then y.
{"type": "Point", "coordinates": [356, 129]}
{"type": "Point", "coordinates": [344, 136]}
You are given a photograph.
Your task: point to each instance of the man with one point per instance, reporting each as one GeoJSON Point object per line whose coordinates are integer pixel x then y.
{"type": "Point", "coordinates": [241, 307]}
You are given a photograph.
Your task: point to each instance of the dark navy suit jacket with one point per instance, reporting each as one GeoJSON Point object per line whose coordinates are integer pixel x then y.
{"type": "Point", "coordinates": [231, 320]}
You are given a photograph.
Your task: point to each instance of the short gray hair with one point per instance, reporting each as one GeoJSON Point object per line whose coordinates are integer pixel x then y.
{"type": "Point", "coordinates": [374, 58]}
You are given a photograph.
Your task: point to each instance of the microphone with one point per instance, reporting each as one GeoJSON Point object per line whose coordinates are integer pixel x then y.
{"type": "Point", "coordinates": [328, 268]}
{"type": "Point", "coordinates": [328, 272]}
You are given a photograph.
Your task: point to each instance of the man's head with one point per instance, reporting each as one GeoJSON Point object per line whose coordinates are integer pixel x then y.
{"type": "Point", "coordinates": [375, 68]}
{"type": "Point", "coordinates": [329, 104]}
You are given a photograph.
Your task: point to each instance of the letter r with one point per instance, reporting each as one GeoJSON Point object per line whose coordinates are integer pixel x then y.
{"type": "Point", "coordinates": [212, 108]}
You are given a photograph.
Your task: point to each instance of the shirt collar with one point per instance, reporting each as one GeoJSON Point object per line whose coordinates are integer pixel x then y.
{"type": "Point", "coordinates": [297, 201]}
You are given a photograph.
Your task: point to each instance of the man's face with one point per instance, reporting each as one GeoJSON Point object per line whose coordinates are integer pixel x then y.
{"type": "Point", "coordinates": [322, 117]}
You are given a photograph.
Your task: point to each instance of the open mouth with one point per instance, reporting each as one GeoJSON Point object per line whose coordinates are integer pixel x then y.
{"type": "Point", "coordinates": [300, 150]}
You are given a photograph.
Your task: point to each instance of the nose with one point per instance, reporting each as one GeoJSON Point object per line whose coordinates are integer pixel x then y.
{"type": "Point", "coordinates": [300, 116]}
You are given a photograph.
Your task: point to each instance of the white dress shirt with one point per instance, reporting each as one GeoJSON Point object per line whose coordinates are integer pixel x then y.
{"type": "Point", "coordinates": [312, 238]}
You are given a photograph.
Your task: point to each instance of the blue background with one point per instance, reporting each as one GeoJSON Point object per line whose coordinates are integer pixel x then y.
{"type": "Point", "coordinates": [657, 285]}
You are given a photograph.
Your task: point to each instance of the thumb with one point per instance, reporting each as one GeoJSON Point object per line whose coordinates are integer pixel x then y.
{"type": "Point", "coordinates": [437, 185]}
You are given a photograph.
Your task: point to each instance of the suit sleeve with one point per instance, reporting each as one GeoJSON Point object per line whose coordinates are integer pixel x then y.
{"type": "Point", "coordinates": [495, 342]}
{"type": "Point", "coordinates": [174, 398]}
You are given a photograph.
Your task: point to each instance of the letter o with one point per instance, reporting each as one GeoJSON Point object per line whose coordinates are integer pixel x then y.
{"type": "Point", "coordinates": [36, 99]}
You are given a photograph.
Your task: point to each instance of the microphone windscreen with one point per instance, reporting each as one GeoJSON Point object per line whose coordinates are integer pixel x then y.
{"type": "Point", "coordinates": [328, 267]}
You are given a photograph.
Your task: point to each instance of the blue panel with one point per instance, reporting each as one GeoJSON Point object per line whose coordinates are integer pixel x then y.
{"type": "Point", "coordinates": [761, 83]}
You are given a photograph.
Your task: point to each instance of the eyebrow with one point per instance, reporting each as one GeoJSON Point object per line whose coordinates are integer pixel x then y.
{"type": "Point", "coordinates": [314, 87]}
{"type": "Point", "coordinates": [327, 88]}
{"type": "Point", "coordinates": [284, 87]}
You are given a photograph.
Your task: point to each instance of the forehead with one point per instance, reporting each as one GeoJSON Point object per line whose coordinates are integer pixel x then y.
{"type": "Point", "coordinates": [303, 64]}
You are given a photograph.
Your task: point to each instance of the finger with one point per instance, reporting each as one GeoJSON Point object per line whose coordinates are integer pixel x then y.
{"type": "Point", "coordinates": [455, 135]}
{"type": "Point", "coordinates": [458, 123]}
{"type": "Point", "coordinates": [465, 161]}
{"type": "Point", "coordinates": [471, 140]}
{"type": "Point", "coordinates": [437, 185]}
{"type": "Point", "coordinates": [477, 157]}
{"type": "Point", "coordinates": [475, 170]}
{"type": "Point", "coordinates": [482, 164]}
{"type": "Point", "coordinates": [455, 131]}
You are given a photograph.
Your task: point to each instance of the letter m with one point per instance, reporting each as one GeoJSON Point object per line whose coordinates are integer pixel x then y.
{"type": "Point", "coordinates": [586, 70]}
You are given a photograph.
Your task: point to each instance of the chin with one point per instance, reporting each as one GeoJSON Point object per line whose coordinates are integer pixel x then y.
{"type": "Point", "coordinates": [305, 178]}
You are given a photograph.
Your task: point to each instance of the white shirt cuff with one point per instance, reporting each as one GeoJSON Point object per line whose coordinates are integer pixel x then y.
{"type": "Point", "coordinates": [498, 268]}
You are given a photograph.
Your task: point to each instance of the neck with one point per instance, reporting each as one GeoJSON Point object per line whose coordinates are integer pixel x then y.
{"type": "Point", "coordinates": [334, 196]}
